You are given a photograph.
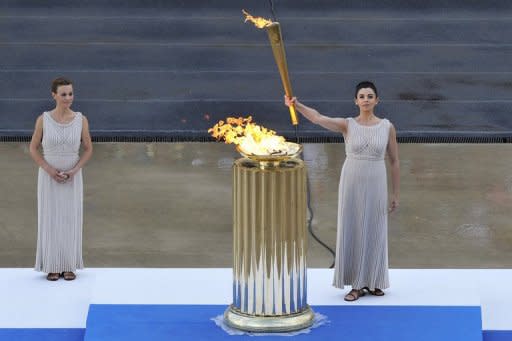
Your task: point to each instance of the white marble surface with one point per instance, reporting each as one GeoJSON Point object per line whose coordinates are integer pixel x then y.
{"type": "Point", "coordinates": [27, 300]}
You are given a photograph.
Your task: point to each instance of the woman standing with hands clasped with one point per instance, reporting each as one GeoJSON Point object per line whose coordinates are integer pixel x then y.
{"type": "Point", "coordinates": [60, 131]}
{"type": "Point", "coordinates": [362, 245]}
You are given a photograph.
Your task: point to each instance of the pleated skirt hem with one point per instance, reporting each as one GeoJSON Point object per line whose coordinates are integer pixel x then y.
{"type": "Point", "coordinates": [46, 269]}
{"type": "Point", "coordinates": [342, 284]}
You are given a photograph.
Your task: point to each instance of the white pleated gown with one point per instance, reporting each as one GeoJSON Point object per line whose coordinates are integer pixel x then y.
{"type": "Point", "coordinates": [362, 245]}
{"type": "Point", "coordinates": [59, 206]}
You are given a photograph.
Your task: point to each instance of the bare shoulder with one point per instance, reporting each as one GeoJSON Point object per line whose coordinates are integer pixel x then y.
{"type": "Point", "coordinates": [39, 121]}
{"type": "Point", "coordinates": [85, 125]}
{"type": "Point", "coordinates": [85, 121]}
{"type": "Point", "coordinates": [342, 122]}
{"type": "Point", "coordinates": [38, 132]}
{"type": "Point", "coordinates": [390, 124]}
{"type": "Point", "coordinates": [392, 131]}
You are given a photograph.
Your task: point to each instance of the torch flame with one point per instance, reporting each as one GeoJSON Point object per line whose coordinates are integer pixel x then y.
{"type": "Point", "coordinates": [259, 22]}
{"type": "Point", "coordinates": [251, 138]}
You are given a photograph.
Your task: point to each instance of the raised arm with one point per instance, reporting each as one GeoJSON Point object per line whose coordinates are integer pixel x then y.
{"type": "Point", "coordinates": [335, 124]}
{"type": "Point", "coordinates": [392, 151]}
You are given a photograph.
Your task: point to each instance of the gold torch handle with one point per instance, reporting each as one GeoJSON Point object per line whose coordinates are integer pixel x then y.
{"type": "Point", "coordinates": [293, 115]}
{"type": "Point", "coordinates": [276, 42]}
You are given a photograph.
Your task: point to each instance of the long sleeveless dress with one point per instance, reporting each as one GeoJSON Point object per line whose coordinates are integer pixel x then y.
{"type": "Point", "coordinates": [59, 205]}
{"type": "Point", "coordinates": [362, 245]}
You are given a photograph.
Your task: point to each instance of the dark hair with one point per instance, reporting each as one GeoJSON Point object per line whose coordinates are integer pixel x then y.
{"type": "Point", "coordinates": [58, 82]}
{"type": "Point", "coordinates": [366, 84]}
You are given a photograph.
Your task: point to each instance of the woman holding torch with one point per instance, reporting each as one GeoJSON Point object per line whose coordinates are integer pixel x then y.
{"type": "Point", "coordinates": [362, 245]}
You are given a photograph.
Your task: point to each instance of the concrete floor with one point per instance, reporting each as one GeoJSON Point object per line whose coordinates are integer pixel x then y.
{"type": "Point", "coordinates": [169, 205]}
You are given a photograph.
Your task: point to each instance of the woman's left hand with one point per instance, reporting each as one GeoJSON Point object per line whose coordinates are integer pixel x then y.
{"type": "Point", "coordinates": [69, 174]}
{"type": "Point", "coordinates": [394, 204]}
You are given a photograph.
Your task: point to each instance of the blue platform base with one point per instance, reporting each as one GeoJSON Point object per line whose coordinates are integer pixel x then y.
{"type": "Point", "coordinates": [361, 323]}
{"type": "Point", "coordinates": [42, 334]}
{"type": "Point", "coordinates": [58, 334]}
{"type": "Point", "coordinates": [497, 335]}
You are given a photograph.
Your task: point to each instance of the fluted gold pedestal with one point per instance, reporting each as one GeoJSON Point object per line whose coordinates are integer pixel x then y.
{"type": "Point", "coordinates": [269, 247]}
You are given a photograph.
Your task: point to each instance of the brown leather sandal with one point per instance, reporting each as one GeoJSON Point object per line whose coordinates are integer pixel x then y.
{"type": "Point", "coordinates": [53, 276]}
{"type": "Point", "coordinates": [376, 292]}
{"type": "Point", "coordinates": [354, 295]}
{"type": "Point", "coordinates": [68, 276]}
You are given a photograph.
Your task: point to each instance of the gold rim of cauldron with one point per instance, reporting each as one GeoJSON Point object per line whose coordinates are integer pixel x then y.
{"type": "Point", "coordinates": [270, 158]}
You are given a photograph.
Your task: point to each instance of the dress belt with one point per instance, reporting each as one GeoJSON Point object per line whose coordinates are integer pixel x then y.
{"type": "Point", "coordinates": [366, 158]}
{"type": "Point", "coordinates": [60, 154]}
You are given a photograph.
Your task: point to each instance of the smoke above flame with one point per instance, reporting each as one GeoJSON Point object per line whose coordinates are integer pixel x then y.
{"type": "Point", "coordinates": [259, 22]}
{"type": "Point", "coordinates": [251, 138]}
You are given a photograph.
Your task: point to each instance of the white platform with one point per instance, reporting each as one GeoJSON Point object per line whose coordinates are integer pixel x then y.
{"type": "Point", "coordinates": [28, 300]}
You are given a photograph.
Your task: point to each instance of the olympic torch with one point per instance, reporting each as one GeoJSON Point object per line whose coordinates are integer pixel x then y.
{"type": "Point", "coordinates": [276, 42]}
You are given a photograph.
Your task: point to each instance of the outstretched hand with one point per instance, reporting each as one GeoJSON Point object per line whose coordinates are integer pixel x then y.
{"type": "Point", "coordinates": [290, 101]}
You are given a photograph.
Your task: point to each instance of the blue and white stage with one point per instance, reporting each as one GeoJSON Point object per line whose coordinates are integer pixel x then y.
{"type": "Point", "coordinates": [178, 304]}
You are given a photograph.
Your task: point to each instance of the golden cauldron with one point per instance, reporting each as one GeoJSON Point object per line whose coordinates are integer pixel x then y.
{"type": "Point", "coordinates": [269, 244]}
